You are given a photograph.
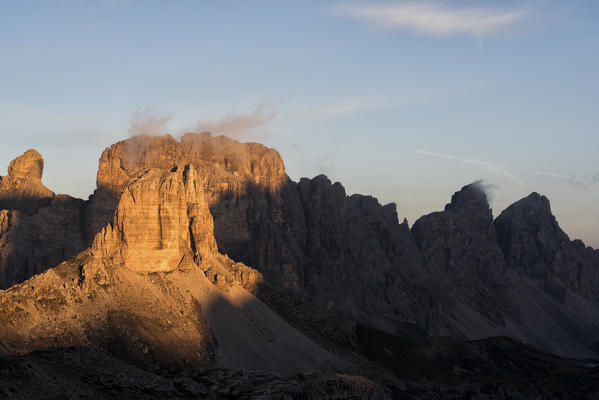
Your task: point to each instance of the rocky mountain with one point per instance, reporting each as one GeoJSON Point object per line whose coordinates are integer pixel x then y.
{"type": "Point", "coordinates": [483, 288]}
{"type": "Point", "coordinates": [38, 229]}
{"type": "Point", "coordinates": [153, 287]}
{"type": "Point", "coordinates": [301, 237]}
{"type": "Point", "coordinates": [22, 188]}
{"type": "Point", "coordinates": [536, 247]}
{"type": "Point", "coordinates": [200, 254]}
{"type": "Point", "coordinates": [460, 245]}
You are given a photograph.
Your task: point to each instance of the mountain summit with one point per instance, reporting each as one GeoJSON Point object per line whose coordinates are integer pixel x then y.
{"type": "Point", "coordinates": [22, 188]}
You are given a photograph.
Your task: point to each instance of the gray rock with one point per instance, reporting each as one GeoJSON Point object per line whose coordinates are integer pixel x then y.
{"type": "Point", "coordinates": [536, 247]}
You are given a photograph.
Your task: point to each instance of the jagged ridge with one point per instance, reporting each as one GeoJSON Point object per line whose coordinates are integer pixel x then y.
{"type": "Point", "coordinates": [457, 271]}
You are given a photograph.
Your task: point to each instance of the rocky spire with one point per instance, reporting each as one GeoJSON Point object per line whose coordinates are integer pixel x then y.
{"type": "Point", "coordinates": [460, 246]}
{"type": "Point", "coordinates": [29, 166]}
{"type": "Point", "coordinates": [535, 245]}
{"type": "Point", "coordinates": [471, 198]}
{"type": "Point", "coordinates": [22, 188]}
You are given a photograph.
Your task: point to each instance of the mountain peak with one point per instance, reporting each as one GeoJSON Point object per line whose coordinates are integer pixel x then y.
{"type": "Point", "coordinates": [470, 198]}
{"type": "Point", "coordinates": [22, 188]}
{"type": "Point", "coordinates": [537, 201]}
{"type": "Point", "coordinates": [29, 165]}
{"type": "Point", "coordinates": [534, 209]}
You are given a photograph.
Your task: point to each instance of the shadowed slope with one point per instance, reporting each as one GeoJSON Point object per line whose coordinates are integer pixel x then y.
{"type": "Point", "coordinates": [511, 276]}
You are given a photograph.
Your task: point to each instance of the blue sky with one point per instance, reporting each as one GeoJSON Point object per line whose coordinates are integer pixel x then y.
{"type": "Point", "coordinates": [407, 101]}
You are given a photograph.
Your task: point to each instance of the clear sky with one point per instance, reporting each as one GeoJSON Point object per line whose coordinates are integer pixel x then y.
{"type": "Point", "coordinates": [407, 101]}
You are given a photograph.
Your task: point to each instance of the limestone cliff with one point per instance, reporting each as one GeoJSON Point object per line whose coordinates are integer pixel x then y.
{"type": "Point", "coordinates": [224, 165]}
{"type": "Point", "coordinates": [349, 253]}
{"type": "Point", "coordinates": [536, 247]}
{"type": "Point", "coordinates": [154, 290]}
{"type": "Point", "coordinates": [22, 188]}
{"type": "Point", "coordinates": [162, 221]}
{"type": "Point", "coordinates": [38, 229]}
{"type": "Point", "coordinates": [460, 245]}
{"type": "Point", "coordinates": [512, 276]}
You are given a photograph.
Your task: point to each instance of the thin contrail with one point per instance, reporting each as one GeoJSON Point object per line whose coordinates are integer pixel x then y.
{"type": "Point", "coordinates": [498, 169]}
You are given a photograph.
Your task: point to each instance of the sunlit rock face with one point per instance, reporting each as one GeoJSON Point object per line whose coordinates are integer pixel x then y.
{"type": "Point", "coordinates": [37, 228]}
{"type": "Point", "coordinates": [22, 188]}
{"type": "Point", "coordinates": [223, 164]}
{"type": "Point", "coordinates": [252, 161]}
{"type": "Point", "coordinates": [255, 206]}
{"type": "Point", "coordinates": [162, 221]}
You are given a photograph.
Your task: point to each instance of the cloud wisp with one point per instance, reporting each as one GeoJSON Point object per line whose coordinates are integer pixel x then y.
{"type": "Point", "coordinates": [434, 18]}
{"type": "Point", "coordinates": [240, 126]}
{"type": "Point", "coordinates": [339, 107]}
{"type": "Point", "coordinates": [583, 183]}
{"type": "Point", "coordinates": [487, 188]}
{"type": "Point", "coordinates": [497, 169]}
{"type": "Point", "coordinates": [236, 125]}
{"type": "Point", "coordinates": [147, 122]}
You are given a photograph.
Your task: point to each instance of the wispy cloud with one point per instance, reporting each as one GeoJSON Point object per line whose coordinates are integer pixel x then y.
{"type": "Point", "coordinates": [572, 180]}
{"type": "Point", "coordinates": [497, 169]}
{"type": "Point", "coordinates": [434, 18]}
{"type": "Point", "coordinates": [238, 125]}
{"type": "Point", "coordinates": [488, 188]}
{"type": "Point", "coordinates": [148, 122]}
{"type": "Point", "coordinates": [337, 107]}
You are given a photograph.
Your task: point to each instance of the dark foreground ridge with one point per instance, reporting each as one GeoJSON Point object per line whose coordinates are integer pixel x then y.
{"type": "Point", "coordinates": [198, 269]}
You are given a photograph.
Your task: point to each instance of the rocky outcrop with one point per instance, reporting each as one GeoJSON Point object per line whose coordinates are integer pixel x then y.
{"type": "Point", "coordinates": [491, 279]}
{"type": "Point", "coordinates": [163, 205]}
{"type": "Point", "coordinates": [224, 164]}
{"type": "Point", "coordinates": [309, 238]}
{"type": "Point", "coordinates": [460, 246]}
{"type": "Point", "coordinates": [153, 289]}
{"type": "Point", "coordinates": [30, 244]}
{"type": "Point", "coordinates": [357, 257]}
{"type": "Point", "coordinates": [22, 188]}
{"type": "Point", "coordinates": [38, 229]}
{"type": "Point", "coordinates": [162, 221]}
{"type": "Point", "coordinates": [535, 246]}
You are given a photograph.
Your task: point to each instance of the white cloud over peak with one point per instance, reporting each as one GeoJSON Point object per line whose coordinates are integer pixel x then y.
{"type": "Point", "coordinates": [148, 122]}
{"type": "Point", "coordinates": [239, 126]}
{"type": "Point", "coordinates": [434, 18]}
